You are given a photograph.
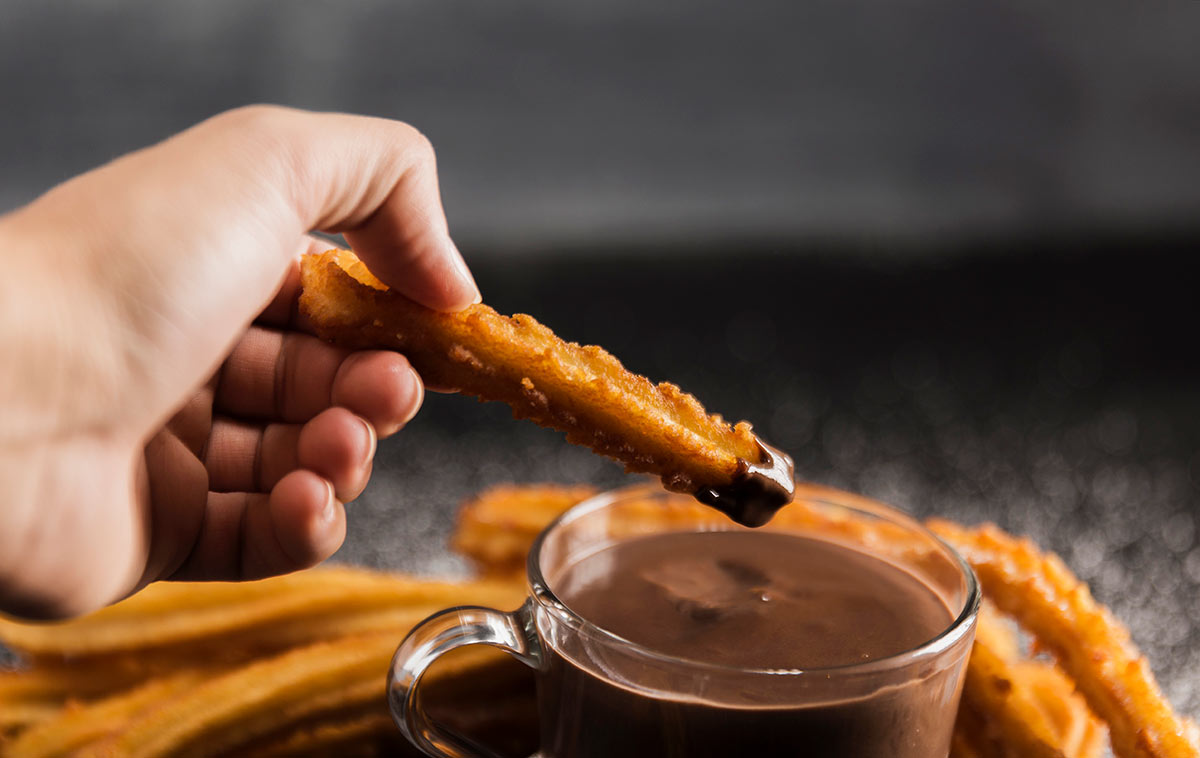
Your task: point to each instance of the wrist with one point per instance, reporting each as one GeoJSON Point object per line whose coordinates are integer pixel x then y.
{"type": "Point", "coordinates": [67, 542]}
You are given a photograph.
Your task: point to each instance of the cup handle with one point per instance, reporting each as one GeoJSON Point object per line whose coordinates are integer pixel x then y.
{"type": "Point", "coordinates": [454, 627]}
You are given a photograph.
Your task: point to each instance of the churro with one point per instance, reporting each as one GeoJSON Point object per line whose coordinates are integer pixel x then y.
{"type": "Point", "coordinates": [581, 390]}
{"type": "Point", "coordinates": [996, 684]}
{"type": "Point", "coordinates": [228, 712]}
{"type": "Point", "coordinates": [168, 628]}
{"type": "Point", "coordinates": [496, 527]}
{"type": "Point", "coordinates": [1090, 645]}
{"type": "Point", "coordinates": [262, 615]}
{"type": "Point", "coordinates": [79, 724]}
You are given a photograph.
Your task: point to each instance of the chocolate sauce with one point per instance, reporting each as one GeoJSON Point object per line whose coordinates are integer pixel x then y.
{"type": "Point", "coordinates": [758, 489]}
{"type": "Point", "coordinates": [748, 602]}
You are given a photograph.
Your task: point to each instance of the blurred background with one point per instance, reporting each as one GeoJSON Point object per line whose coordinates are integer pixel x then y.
{"type": "Point", "coordinates": [938, 251]}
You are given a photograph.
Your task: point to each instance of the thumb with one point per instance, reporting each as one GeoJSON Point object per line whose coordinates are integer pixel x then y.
{"type": "Point", "coordinates": [376, 181]}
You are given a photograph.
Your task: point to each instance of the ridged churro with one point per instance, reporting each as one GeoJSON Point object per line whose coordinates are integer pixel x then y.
{"type": "Point", "coordinates": [1090, 645]}
{"type": "Point", "coordinates": [263, 615]}
{"type": "Point", "coordinates": [1023, 708]}
{"type": "Point", "coordinates": [79, 724]}
{"type": "Point", "coordinates": [496, 527]}
{"type": "Point", "coordinates": [171, 628]}
{"type": "Point", "coordinates": [581, 390]}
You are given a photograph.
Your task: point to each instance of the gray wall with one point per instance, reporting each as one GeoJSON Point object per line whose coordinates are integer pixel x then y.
{"type": "Point", "coordinates": [597, 122]}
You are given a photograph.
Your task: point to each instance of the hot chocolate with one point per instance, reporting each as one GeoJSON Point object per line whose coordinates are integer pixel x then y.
{"type": "Point", "coordinates": [753, 601]}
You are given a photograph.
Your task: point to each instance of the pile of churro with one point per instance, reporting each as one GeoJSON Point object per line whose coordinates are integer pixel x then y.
{"type": "Point", "coordinates": [291, 666]}
{"type": "Point", "coordinates": [294, 666]}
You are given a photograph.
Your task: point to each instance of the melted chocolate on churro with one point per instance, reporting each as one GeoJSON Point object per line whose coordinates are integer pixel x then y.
{"type": "Point", "coordinates": [758, 489]}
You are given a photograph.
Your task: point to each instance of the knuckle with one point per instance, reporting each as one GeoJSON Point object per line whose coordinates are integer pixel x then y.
{"type": "Point", "coordinates": [255, 116]}
{"type": "Point", "coordinates": [418, 146]}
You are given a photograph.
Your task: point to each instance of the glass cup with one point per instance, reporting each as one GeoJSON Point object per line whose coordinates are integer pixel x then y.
{"type": "Point", "coordinates": [602, 695]}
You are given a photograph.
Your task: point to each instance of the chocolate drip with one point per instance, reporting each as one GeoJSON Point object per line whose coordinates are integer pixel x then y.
{"type": "Point", "coordinates": [758, 489]}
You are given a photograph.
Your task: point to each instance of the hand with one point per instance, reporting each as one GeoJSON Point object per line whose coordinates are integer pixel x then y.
{"type": "Point", "coordinates": [162, 415]}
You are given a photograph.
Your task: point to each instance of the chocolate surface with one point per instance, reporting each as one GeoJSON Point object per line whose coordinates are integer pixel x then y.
{"type": "Point", "coordinates": [758, 489]}
{"type": "Point", "coordinates": [743, 600]}
{"type": "Point", "coordinates": [754, 600]}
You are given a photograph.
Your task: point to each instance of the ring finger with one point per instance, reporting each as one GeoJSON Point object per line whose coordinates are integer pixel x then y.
{"type": "Point", "coordinates": [336, 445]}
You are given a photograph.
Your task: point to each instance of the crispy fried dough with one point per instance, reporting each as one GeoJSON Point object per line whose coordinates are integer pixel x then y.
{"type": "Point", "coordinates": [343, 738]}
{"type": "Point", "coordinates": [79, 724]}
{"type": "Point", "coordinates": [169, 628]}
{"type": "Point", "coordinates": [581, 390]}
{"type": "Point", "coordinates": [261, 616]}
{"type": "Point", "coordinates": [496, 527]}
{"type": "Point", "coordinates": [1015, 722]}
{"type": "Point", "coordinates": [229, 710]}
{"type": "Point", "coordinates": [1090, 645]}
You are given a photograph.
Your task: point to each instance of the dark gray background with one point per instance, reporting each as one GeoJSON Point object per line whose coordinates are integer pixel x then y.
{"type": "Point", "coordinates": [622, 120]}
{"type": "Point", "coordinates": [938, 250]}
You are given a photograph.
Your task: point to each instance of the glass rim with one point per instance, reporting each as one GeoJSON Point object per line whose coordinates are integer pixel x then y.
{"type": "Point", "coordinates": [943, 641]}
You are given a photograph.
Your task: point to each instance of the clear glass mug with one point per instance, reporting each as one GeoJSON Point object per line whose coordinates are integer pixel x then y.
{"type": "Point", "coordinates": [592, 699]}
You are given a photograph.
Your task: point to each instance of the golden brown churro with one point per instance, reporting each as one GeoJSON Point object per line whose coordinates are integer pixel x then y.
{"type": "Point", "coordinates": [342, 738]}
{"type": "Point", "coordinates": [262, 615]}
{"type": "Point", "coordinates": [496, 527]}
{"type": "Point", "coordinates": [79, 724]}
{"type": "Point", "coordinates": [1000, 686]}
{"type": "Point", "coordinates": [581, 390]}
{"type": "Point", "coordinates": [169, 628]}
{"type": "Point", "coordinates": [1092, 646]}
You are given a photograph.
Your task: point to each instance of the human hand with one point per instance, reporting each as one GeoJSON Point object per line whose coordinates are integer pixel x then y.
{"type": "Point", "coordinates": [162, 415]}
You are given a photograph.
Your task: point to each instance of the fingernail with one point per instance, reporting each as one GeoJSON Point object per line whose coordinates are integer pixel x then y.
{"type": "Point", "coordinates": [373, 439]}
{"type": "Point", "coordinates": [420, 387]}
{"type": "Point", "coordinates": [464, 274]}
{"type": "Point", "coordinates": [329, 512]}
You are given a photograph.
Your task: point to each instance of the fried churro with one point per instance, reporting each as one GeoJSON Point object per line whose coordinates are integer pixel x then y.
{"type": "Point", "coordinates": [1046, 696]}
{"type": "Point", "coordinates": [343, 738]}
{"type": "Point", "coordinates": [79, 724]}
{"type": "Point", "coordinates": [262, 615]}
{"type": "Point", "coordinates": [1092, 646]}
{"type": "Point", "coordinates": [31, 695]}
{"type": "Point", "coordinates": [581, 390]}
{"type": "Point", "coordinates": [229, 712]}
{"type": "Point", "coordinates": [1018, 723]}
{"type": "Point", "coordinates": [169, 628]}
{"type": "Point", "coordinates": [497, 527]}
